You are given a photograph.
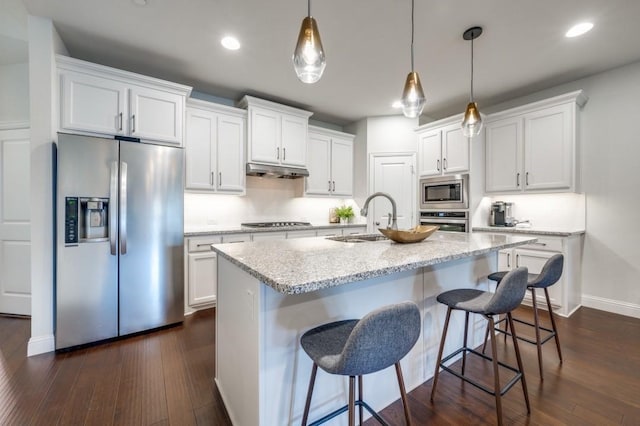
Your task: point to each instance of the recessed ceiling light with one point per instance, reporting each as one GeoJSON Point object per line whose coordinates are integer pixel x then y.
{"type": "Point", "coordinates": [579, 29]}
{"type": "Point", "coordinates": [396, 104]}
{"type": "Point", "coordinates": [230, 42]}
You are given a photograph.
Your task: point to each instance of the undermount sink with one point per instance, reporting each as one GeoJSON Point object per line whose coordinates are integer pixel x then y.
{"type": "Point", "coordinates": [358, 238]}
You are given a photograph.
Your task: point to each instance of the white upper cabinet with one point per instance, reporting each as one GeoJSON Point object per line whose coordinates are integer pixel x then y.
{"type": "Point", "coordinates": [95, 99]}
{"type": "Point", "coordinates": [214, 148]}
{"type": "Point", "coordinates": [442, 148]}
{"type": "Point", "coordinates": [534, 147]}
{"type": "Point", "coordinates": [277, 134]}
{"type": "Point", "coordinates": [330, 163]}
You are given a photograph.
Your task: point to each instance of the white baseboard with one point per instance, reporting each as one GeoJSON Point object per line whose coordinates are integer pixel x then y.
{"type": "Point", "coordinates": [41, 344]}
{"type": "Point", "coordinates": [610, 305]}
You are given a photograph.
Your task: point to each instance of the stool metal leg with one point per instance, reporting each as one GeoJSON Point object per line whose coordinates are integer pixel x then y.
{"type": "Point", "coordinates": [307, 404]}
{"type": "Point", "coordinates": [553, 324]}
{"type": "Point", "coordinates": [444, 336]}
{"type": "Point", "coordinates": [464, 343]}
{"type": "Point", "coordinates": [403, 394]}
{"type": "Point", "coordinates": [519, 359]}
{"type": "Point", "coordinates": [496, 375]}
{"type": "Point", "coordinates": [360, 398]}
{"type": "Point", "coordinates": [352, 401]}
{"type": "Point", "coordinates": [536, 321]}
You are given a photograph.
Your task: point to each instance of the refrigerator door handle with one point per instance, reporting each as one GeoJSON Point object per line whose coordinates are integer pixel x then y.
{"type": "Point", "coordinates": [123, 207]}
{"type": "Point", "coordinates": [113, 208]}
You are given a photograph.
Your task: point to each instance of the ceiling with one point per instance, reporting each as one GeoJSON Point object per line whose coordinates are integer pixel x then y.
{"type": "Point", "coordinates": [522, 49]}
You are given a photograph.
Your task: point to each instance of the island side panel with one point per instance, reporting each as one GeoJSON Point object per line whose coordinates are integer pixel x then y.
{"type": "Point", "coordinates": [237, 343]}
{"type": "Point", "coordinates": [286, 368]}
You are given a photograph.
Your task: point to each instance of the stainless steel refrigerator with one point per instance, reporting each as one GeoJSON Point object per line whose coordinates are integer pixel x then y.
{"type": "Point", "coordinates": [119, 238]}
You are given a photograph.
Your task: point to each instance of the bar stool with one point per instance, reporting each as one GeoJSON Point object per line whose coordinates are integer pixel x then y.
{"type": "Point", "coordinates": [357, 347]}
{"type": "Point", "coordinates": [506, 298]}
{"type": "Point", "coordinates": [550, 274]}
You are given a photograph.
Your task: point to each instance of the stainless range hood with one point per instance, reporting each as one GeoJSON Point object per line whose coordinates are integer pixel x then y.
{"type": "Point", "coordinates": [272, 171]}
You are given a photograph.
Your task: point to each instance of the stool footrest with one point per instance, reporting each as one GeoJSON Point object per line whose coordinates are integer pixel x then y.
{"type": "Point", "coordinates": [344, 409]}
{"type": "Point", "coordinates": [509, 385]}
{"type": "Point", "coordinates": [526, 339]}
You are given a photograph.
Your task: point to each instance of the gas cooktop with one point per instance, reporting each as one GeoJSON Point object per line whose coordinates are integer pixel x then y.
{"type": "Point", "coordinates": [274, 224]}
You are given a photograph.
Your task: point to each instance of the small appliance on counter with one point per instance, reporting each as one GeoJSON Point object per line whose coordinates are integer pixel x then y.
{"type": "Point", "coordinates": [501, 214]}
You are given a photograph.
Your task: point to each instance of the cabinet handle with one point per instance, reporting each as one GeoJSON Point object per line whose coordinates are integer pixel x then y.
{"type": "Point", "coordinates": [219, 178]}
{"type": "Point", "coordinates": [133, 126]}
{"type": "Point", "coordinates": [120, 121]}
{"type": "Point", "coordinates": [277, 153]}
{"type": "Point", "coordinates": [444, 164]}
{"type": "Point", "coordinates": [518, 179]}
{"type": "Point", "coordinates": [211, 179]}
{"type": "Point", "coordinates": [204, 244]}
{"type": "Point", "coordinates": [438, 165]}
{"type": "Point", "coordinates": [539, 244]}
{"type": "Point", "coordinates": [334, 186]}
{"type": "Point", "coordinates": [517, 260]}
{"type": "Point", "coordinates": [526, 178]}
{"type": "Point", "coordinates": [508, 260]}
{"type": "Point", "coordinates": [329, 186]}
{"type": "Point", "coordinates": [284, 154]}
{"type": "Point", "coordinates": [377, 223]}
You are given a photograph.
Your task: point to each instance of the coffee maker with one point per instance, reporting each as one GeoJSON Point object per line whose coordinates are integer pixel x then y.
{"type": "Point", "coordinates": [501, 214]}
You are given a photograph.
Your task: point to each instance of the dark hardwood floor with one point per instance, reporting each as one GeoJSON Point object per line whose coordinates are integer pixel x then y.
{"type": "Point", "coordinates": [165, 378]}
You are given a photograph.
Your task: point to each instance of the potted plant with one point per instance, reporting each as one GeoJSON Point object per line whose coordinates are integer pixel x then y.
{"type": "Point", "coordinates": [344, 213]}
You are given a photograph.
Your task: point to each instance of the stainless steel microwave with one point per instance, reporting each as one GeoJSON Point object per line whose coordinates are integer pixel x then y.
{"type": "Point", "coordinates": [445, 192]}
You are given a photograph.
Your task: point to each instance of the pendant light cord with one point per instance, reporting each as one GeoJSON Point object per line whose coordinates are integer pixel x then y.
{"type": "Point", "coordinates": [309, 8]}
{"type": "Point", "coordinates": [471, 70]}
{"type": "Point", "coordinates": [412, 8]}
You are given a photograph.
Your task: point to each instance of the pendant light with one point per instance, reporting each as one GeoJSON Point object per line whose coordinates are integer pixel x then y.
{"type": "Point", "coordinates": [308, 57]}
{"type": "Point", "coordinates": [413, 99]}
{"type": "Point", "coordinates": [472, 121]}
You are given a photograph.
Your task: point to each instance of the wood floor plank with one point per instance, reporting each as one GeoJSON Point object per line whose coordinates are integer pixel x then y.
{"type": "Point", "coordinates": [166, 378]}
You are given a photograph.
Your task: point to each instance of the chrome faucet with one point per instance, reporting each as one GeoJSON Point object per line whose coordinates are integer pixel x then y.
{"type": "Point", "coordinates": [394, 217]}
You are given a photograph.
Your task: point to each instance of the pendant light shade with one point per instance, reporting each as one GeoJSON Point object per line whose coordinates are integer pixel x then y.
{"type": "Point", "coordinates": [413, 98]}
{"type": "Point", "coordinates": [308, 57]}
{"type": "Point", "coordinates": [472, 121]}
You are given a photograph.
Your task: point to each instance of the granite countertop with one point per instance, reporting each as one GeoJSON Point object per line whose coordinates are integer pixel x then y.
{"type": "Point", "coordinates": [554, 232]}
{"type": "Point", "coordinates": [309, 264]}
{"type": "Point", "coordinates": [194, 231]}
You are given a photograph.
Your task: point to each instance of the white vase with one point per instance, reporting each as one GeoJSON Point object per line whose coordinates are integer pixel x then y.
{"type": "Point", "coordinates": [344, 220]}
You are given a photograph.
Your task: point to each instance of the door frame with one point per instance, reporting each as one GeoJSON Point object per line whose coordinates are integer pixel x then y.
{"type": "Point", "coordinates": [414, 183]}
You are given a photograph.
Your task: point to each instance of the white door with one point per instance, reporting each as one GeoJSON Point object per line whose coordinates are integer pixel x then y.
{"type": "Point", "coordinates": [230, 154]}
{"type": "Point", "coordinates": [342, 167]}
{"type": "Point", "coordinates": [393, 174]}
{"type": "Point", "coordinates": [319, 180]}
{"type": "Point", "coordinates": [294, 141]}
{"type": "Point", "coordinates": [203, 277]}
{"type": "Point", "coordinates": [15, 223]}
{"type": "Point", "coordinates": [156, 115]}
{"type": "Point", "coordinates": [429, 151]}
{"type": "Point", "coordinates": [455, 150]}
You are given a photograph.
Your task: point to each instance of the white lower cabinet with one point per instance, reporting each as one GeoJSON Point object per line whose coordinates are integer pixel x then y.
{"type": "Point", "coordinates": [565, 295]}
{"type": "Point", "coordinates": [201, 271]}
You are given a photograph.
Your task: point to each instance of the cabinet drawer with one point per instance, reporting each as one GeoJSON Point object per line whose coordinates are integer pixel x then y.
{"type": "Point", "coordinates": [202, 243]}
{"type": "Point", "coordinates": [236, 238]}
{"type": "Point", "coordinates": [545, 243]}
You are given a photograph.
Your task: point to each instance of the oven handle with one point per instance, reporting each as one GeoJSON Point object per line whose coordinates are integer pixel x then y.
{"type": "Point", "coordinates": [443, 220]}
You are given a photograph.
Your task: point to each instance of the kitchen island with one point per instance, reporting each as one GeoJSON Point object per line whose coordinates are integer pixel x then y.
{"type": "Point", "coordinates": [271, 292]}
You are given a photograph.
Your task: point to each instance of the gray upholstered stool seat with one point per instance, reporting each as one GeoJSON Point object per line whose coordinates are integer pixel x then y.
{"type": "Point", "coordinates": [506, 298]}
{"type": "Point", "coordinates": [548, 276]}
{"type": "Point", "coordinates": [357, 347]}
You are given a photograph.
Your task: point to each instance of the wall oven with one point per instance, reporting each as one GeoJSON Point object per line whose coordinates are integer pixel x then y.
{"type": "Point", "coordinates": [449, 221]}
{"type": "Point", "coordinates": [445, 192]}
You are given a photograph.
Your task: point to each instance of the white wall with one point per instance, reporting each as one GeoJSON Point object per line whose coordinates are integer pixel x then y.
{"type": "Point", "coordinates": [610, 177]}
{"type": "Point", "coordinates": [266, 200]}
{"type": "Point", "coordinates": [391, 134]}
{"type": "Point", "coordinates": [14, 87]}
{"type": "Point", "coordinates": [44, 42]}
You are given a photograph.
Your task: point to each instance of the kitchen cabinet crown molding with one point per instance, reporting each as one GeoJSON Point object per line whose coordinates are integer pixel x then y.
{"type": "Point", "coordinates": [330, 132]}
{"type": "Point", "coordinates": [578, 97]}
{"type": "Point", "coordinates": [217, 108]}
{"type": "Point", "coordinates": [441, 123]}
{"type": "Point", "coordinates": [78, 65]}
{"type": "Point", "coordinates": [248, 101]}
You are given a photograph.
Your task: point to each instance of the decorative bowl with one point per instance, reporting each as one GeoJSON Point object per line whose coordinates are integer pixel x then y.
{"type": "Point", "coordinates": [412, 235]}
